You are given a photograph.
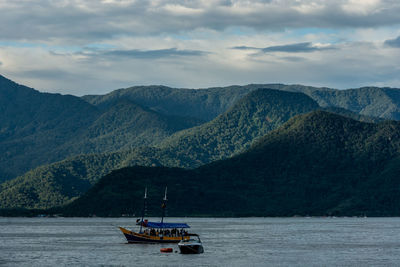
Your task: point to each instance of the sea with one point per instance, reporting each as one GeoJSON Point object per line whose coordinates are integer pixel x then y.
{"type": "Point", "coordinates": [227, 242]}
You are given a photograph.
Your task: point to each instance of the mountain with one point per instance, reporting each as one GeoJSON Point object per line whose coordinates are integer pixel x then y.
{"type": "Point", "coordinates": [126, 125]}
{"type": "Point", "coordinates": [232, 132]}
{"type": "Point", "coordinates": [204, 104]}
{"type": "Point", "coordinates": [379, 102]}
{"type": "Point", "coordinates": [57, 183]}
{"type": "Point", "coordinates": [250, 118]}
{"type": "Point", "coordinates": [40, 128]}
{"type": "Point", "coordinates": [207, 104]}
{"type": "Point", "coordinates": [352, 115]}
{"type": "Point", "coordinates": [33, 124]}
{"type": "Point", "coordinates": [316, 164]}
{"type": "Point", "coordinates": [369, 101]}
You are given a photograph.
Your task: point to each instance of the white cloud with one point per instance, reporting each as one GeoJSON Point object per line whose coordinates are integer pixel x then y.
{"type": "Point", "coordinates": [180, 10]}
{"type": "Point", "coordinates": [307, 7]}
{"type": "Point", "coordinates": [349, 65]}
{"type": "Point", "coordinates": [362, 7]}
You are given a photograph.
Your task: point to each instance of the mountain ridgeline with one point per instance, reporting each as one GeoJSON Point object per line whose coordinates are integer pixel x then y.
{"type": "Point", "coordinates": [250, 118]}
{"type": "Point", "coordinates": [230, 133]}
{"type": "Point", "coordinates": [315, 164]}
{"type": "Point", "coordinates": [31, 124]}
{"type": "Point", "coordinates": [346, 157]}
{"type": "Point", "coordinates": [206, 104]}
{"type": "Point", "coordinates": [40, 128]}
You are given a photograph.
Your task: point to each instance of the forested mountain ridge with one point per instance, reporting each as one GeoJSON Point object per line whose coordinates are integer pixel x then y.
{"type": "Point", "coordinates": [32, 124]}
{"type": "Point", "coordinates": [40, 128]}
{"type": "Point", "coordinates": [51, 127]}
{"type": "Point", "coordinates": [315, 164]}
{"type": "Point", "coordinates": [208, 103]}
{"type": "Point", "coordinates": [205, 104]}
{"type": "Point", "coordinates": [250, 118]}
{"type": "Point", "coordinates": [370, 101]}
{"type": "Point", "coordinates": [126, 125]}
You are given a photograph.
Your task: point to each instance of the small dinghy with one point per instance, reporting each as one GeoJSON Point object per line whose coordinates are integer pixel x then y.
{"type": "Point", "coordinates": [166, 250]}
{"type": "Point", "coordinates": [192, 245]}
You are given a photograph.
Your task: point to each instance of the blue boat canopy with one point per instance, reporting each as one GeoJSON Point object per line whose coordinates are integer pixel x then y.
{"type": "Point", "coordinates": [165, 225]}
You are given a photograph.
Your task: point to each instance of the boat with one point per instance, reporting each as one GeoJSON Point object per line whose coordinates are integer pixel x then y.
{"type": "Point", "coordinates": [166, 250]}
{"type": "Point", "coordinates": [156, 232]}
{"type": "Point", "coordinates": [192, 245]}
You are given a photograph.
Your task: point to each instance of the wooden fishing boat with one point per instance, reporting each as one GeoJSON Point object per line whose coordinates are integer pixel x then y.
{"type": "Point", "coordinates": [158, 236]}
{"type": "Point", "coordinates": [156, 232]}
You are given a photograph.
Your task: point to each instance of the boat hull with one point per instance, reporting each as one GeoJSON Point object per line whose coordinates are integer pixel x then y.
{"type": "Point", "coordinates": [191, 249]}
{"type": "Point", "coordinates": [133, 237]}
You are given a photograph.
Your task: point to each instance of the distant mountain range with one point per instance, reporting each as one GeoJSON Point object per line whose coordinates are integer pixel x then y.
{"type": "Point", "coordinates": [149, 126]}
{"type": "Point", "coordinates": [315, 164]}
{"type": "Point", "coordinates": [40, 128]}
{"type": "Point", "coordinates": [232, 132]}
{"type": "Point", "coordinates": [208, 103]}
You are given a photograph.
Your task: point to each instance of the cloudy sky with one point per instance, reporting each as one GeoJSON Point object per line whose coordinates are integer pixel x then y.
{"type": "Point", "coordinates": [92, 47]}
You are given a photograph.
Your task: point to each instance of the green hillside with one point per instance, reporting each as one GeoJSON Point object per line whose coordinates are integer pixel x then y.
{"type": "Point", "coordinates": [126, 125]}
{"type": "Point", "coordinates": [253, 116]}
{"type": "Point", "coordinates": [315, 164]}
{"type": "Point", "coordinates": [208, 103]}
{"type": "Point", "coordinates": [57, 183]}
{"type": "Point", "coordinates": [249, 119]}
{"type": "Point", "coordinates": [34, 124]}
{"type": "Point", "coordinates": [379, 102]}
{"type": "Point", "coordinates": [369, 101]}
{"type": "Point", "coordinates": [40, 128]}
{"type": "Point", "coordinates": [205, 104]}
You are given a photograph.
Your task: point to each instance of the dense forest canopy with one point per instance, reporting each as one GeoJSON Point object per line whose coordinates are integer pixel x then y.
{"type": "Point", "coordinates": [60, 146]}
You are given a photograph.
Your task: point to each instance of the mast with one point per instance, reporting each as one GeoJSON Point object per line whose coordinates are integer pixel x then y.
{"type": "Point", "coordinates": [144, 208]}
{"type": "Point", "coordinates": [164, 205]}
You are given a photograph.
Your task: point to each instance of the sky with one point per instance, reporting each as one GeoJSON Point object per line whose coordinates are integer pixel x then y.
{"type": "Point", "coordinates": [93, 47]}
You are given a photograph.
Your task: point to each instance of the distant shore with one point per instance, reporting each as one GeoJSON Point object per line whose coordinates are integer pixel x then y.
{"type": "Point", "coordinates": [20, 212]}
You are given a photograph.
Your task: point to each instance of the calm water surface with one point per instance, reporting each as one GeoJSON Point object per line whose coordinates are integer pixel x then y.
{"type": "Point", "coordinates": [227, 242]}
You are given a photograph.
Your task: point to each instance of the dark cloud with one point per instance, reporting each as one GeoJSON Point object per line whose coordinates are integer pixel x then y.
{"type": "Point", "coordinates": [152, 54]}
{"type": "Point", "coordinates": [83, 21]}
{"type": "Point", "coordinates": [288, 48]}
{"type": "Point", "coordinates": [294, 59]}
{"type": "Point", "coordinates": [113, 55]}
{"type": "Point", "coordinates": [292, 48]}
{"type": "Point", "coordinates": [243, 47]}
{"type": "Point", "coordinates": [393, 42]}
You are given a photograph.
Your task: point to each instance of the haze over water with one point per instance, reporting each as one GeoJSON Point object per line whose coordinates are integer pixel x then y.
{"type": "Point", "coordinates": [227, 242]}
